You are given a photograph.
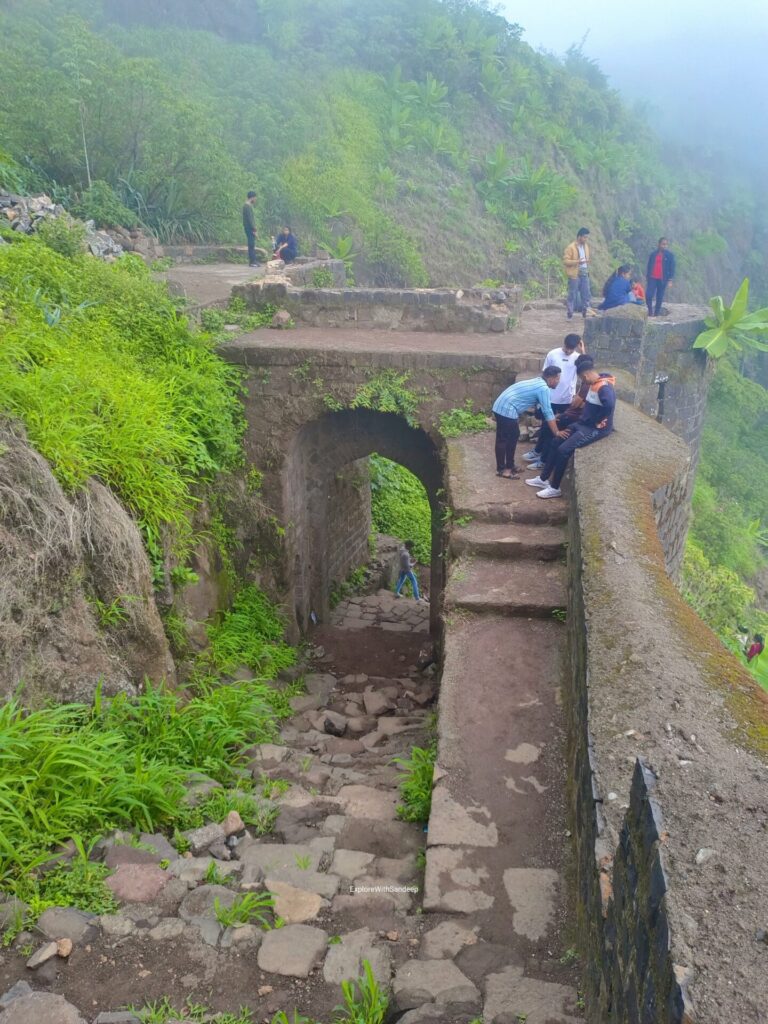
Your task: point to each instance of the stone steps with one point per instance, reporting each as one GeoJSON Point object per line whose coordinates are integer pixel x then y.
{"type": "Point", "coordinates": [502, 540]}
{"type": "Point", "coordinates": [521, 588]}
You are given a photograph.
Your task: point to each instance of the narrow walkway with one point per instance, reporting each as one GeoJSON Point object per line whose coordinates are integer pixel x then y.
{"type": "Point", "coordinates": [498, 843]}
{"type": "Point", "coordinates": [382, 610]}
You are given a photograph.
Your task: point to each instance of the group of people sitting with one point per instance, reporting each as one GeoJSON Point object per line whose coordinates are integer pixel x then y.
{"type": "Point", "coordinates": [576, 404]}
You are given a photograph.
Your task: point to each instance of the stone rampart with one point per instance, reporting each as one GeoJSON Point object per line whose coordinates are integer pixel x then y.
{"type": "Point", "coordinates": [415, 309]}
{"type": "Point", "coordinates": [667, 756]}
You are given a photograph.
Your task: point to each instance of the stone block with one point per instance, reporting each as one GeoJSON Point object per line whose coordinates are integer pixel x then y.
{"type": "Point", "coordinates": [292, 951]}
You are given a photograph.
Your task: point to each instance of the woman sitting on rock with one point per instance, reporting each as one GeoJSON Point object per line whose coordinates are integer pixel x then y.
{"type": "Point", "coordinates": [617, 290]}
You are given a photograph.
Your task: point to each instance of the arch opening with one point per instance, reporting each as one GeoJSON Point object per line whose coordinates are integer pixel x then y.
{"type": "Point", "coordinates": [326, 497]}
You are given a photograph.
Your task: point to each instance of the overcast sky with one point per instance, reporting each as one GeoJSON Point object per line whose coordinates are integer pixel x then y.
{"type": "Point", "coordinates": [703, 65]}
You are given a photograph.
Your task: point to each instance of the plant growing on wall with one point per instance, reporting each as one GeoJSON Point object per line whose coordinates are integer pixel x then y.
{"type": "Point", "coordinates": [732, 328]}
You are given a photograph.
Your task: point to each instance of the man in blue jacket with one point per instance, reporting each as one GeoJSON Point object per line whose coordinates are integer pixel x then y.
{"type": "Point", "coordinates": [596, 422]}
{"type": "Point", "coordinates": [659, 274]}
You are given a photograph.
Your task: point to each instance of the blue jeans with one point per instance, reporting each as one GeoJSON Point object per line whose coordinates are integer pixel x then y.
{"type": "Point", "coordinates": [561, 451]}
{"type": "Point", "coordinates": [579, 294]}
{"type": "Point", "coordinates": [414, 583]}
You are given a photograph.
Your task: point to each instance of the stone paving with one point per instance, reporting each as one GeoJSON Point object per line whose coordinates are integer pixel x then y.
{"type": "Point", "coordinates": [383, 610]}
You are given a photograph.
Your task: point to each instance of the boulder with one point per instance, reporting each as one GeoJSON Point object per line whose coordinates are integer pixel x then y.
{"type": "Point", "coordinates": [292, 951]}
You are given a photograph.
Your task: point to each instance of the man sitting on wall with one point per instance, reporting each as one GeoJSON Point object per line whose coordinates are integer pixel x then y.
{"type": "Point", "coordinates": [506, 412]}
{"type": "Point", "coordinates": [595, 423]}
{"type": "Point", "coordinates": [537, 458]}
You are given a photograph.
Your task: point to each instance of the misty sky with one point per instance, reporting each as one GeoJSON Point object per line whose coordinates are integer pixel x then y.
{"type": "Point", "coordinates": [702, 65]}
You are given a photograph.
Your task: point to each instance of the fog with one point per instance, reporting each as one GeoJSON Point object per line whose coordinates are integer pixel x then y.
{"type": "Point", "coordinates": [699, 70]}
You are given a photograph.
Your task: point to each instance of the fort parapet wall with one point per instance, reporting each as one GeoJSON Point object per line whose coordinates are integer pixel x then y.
{"type": "Point", "coordinates": [668, 742]}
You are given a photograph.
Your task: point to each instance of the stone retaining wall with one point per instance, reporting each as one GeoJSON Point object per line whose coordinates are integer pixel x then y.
{"type": "Point", "coordinates": [660, 720]}
{"type": "Point", "coordinates": [415, 309]}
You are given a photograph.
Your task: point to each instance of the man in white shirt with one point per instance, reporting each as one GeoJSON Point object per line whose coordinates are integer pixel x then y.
{"type": "Point", "coordinates": [564, 358]}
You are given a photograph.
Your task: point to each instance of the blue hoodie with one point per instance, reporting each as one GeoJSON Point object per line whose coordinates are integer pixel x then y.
{"type": "Point", "coordinates": [600, 404]}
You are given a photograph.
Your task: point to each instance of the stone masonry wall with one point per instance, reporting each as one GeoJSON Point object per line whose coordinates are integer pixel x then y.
{"type": "Point", "coordinates": [625, 339]}
{"type": "Point", "coordinates": [416, 309]}
{"type": "Point", "coordinates": [655, 729]}
{"type": "Point", "coordinates": [349, 510]}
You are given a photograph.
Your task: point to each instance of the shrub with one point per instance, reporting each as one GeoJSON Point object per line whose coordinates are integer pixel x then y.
{"type": "Point", "coordinates": [250, 633]}
{"type": "Point", "coordinates": [322, 278]}
{"type": "Point", "coordinates": [464, 420]}
{"type": "Point", "coordinates": [416, 783]}
{"type": "Point", "coordinates": [101, 204]}
{"type": "Point", "coordinates": [62, 235]}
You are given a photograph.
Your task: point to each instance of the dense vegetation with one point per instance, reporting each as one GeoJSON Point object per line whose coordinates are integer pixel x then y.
{"type": "Point", "coordinates": [727, 553]}
{"type": "Point", "coordinates": [424, 136]}
{"type": "Point", "coordinates": [400, 506]}
{"type": "Point", "coordinates": [110, 381]}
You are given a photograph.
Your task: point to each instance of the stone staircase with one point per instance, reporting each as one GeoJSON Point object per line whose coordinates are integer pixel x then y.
{"type": "Point", "coordinates": [497, 842]}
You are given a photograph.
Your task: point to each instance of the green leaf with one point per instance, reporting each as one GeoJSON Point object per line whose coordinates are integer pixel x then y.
{"type": "Point", "coordinates": [718, 308]}
{"type": "Point", "coordinates": [740, 302]}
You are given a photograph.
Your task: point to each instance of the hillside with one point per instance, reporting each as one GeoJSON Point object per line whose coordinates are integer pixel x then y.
{"type": "Point", "coordinates": [424, 137]}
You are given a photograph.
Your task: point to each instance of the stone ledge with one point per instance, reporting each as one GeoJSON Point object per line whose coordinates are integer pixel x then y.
{"type": "Point", "coordinates": [651, 685]}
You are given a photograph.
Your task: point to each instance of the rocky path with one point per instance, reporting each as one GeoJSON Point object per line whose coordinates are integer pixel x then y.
{"type": "Point", "coordinates": [344, 871]}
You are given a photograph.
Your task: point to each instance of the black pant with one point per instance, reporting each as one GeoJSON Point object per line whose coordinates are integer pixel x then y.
{"type": "Point", "coordinates": [507, 436]}
{"type": "Point", "coordinates": [251, 236]}
{"type": "Point", "coordinates": [545, 434]}
{"type": "Point", "coordinates": [562, 450]}
{"type": "Point", "coordinates": [656, 288]}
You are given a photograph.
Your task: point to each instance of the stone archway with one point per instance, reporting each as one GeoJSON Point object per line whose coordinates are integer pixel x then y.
{"type": "Point", "coordinates": [319, 518]}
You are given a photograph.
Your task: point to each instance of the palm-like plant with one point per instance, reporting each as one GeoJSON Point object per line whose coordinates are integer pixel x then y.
{"type": "Point", "coordinates": [732, 328]}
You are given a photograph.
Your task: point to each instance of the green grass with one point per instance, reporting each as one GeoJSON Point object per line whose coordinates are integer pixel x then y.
{"type": "Point", "coordinates": [80, 770]}
{"type": "Point", "coordinates": [111, 382]}
{"type": "Point", "coordinates": [247, 909]}
{"type": "Point", "coordinates": [416, 783]}
{"type": "Point", "coordinates": [250, 633]}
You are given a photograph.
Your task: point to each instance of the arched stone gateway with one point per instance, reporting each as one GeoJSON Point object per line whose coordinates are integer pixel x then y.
{"type": "Point", "coordinates": [329, 522]}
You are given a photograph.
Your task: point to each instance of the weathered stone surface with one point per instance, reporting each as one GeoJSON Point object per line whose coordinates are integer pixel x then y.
{"type": "Point", "coordinates": [201, 902]}
{"type": "Point", "coordinates": [350, 864]}
{"type": "Point", "coordinates": [452, 824]}
{"type": "Point", "coordinates": [509, 996]}
{"type": "Point", "coordinates": [367, 802]}
{"type": "Point", "coordinates": [310, 881]}
{"type": "Point", "coordinates": [531, 892]}
{"type": "Point", "coordinates": [446, 940]}
{"type": "Point", "coordinates": [122, 854]}
{"type": "Point", "coordinates": [292, 951]}
{"type": "Point", "coordinates": [41, 1008]}
{"type": "Point", "coordinates": [67, 923]}
{"type": "Point", "coordinates": [117, 1017]}
{"type": "Point", "coordinates": [453, 883]}
{"type": "Point", "coordinates": [137, 883]}
{"type": "Point", "coordinates": [169, 928]}
{"type": "Point", "coordinates": [271, 856]}
{"type": "Point", "coordinates": [344, 960]}
{"type": "Point", "coordinates": [232, 824]}
{"type": "Point", "coordinates": [194, 869]}
{"type": "Point", "coordinates": [376, 703]}
{"type": "Point", "coordinates": [21, 988]}
{"type": "Point", "coordinates": [244, 938]}
{"type": "Point", "coordinates": [270, 753]}
{"type": "Point", "coordinates": [42, 955]}
{"type": "Point", "coordinates": [320, 684]}
{"type": "Point", "coordinates": [116, 926]}
{"type": "Point", "coordinates": [294, 905]}
{"type": "Point", "coordinates": [200, 839]}
{"type": "Point", "coordinates": [433, 981]}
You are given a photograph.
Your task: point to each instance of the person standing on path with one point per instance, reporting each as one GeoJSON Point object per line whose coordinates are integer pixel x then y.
{"type": "Point", "coordinates": [595, 423]}
{"type": "Point", "coordinates": [506, 411]}
{"type": "Point", "coordinates": [659, 275]}
{"type": "Point", "coordinates": [407, 562]}
{"type": "Point", "coordinates": [576, 259]}
{"type": "Point", "coordinates": [249, 226]}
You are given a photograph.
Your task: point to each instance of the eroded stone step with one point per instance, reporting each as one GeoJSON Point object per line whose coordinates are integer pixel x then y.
{"type": "Point", "coordinates": [526, 588]}
{"type": "Point", "coordinates": [476, 491]}
{"type": "Point", "coordinates": [513, 540]}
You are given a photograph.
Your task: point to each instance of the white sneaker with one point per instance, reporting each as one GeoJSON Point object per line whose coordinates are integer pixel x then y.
{"type": "Point", "coordinates": [531, 456]}
{"type": "Point", "coordinates": [536, 481]}
{"type": "Point", "coordinates": [550, 492]}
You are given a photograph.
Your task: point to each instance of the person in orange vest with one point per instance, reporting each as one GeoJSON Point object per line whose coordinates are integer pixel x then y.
{"type": "Point", "coordinates": [595, 423]}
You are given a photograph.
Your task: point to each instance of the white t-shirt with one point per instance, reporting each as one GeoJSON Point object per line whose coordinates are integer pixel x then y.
{"type": "Point", "coordinates": [566, 387]}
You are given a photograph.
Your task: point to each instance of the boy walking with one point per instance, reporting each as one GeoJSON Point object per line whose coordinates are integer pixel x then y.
{"type": "Point", "coordinates": [407, 562]}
